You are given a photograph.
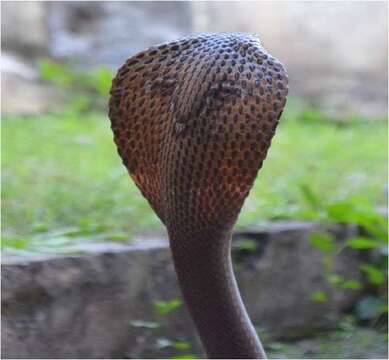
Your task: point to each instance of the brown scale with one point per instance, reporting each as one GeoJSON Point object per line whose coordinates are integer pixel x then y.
{"type": "Point", "coordinates": [193, 120]}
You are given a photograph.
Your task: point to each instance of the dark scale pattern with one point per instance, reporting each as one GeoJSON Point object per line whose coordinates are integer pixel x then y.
{"type": "Point", "coordinates": [193, 120]}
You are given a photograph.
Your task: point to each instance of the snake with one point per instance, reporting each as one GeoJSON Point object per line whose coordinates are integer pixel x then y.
{"type": "Point", "coordinates": [193, 120]}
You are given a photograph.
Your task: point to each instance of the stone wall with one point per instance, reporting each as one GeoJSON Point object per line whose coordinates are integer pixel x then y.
{"type": "Point", "coordinates": [82, 33]}
{"type": "Point", "coordinates": [82, 306]}
{"type": "Point", "coordinates": [24, 28]}
{"type": "Point", "coordinates": [109, 32]}
{"type": "Point", "coordinates": [336, 52]}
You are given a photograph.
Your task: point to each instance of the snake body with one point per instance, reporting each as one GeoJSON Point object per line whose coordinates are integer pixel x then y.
{"type": "Point", "coordinates": [193, 120]}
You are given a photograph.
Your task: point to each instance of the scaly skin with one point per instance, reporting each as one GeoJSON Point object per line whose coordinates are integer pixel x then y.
{"type": "Point", "coordinates": [193, 120]}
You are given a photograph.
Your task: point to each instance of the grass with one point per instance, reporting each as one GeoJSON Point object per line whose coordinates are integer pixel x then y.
{"type": "Point", "coordinates": [352, 342]}
{"type": "Point", "coordinates": [362, 343]}
{"type": "Point", "coordinates": [64, 182]}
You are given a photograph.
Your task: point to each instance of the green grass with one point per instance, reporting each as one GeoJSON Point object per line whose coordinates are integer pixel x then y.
{"type": "Point", "coordinates": [63, 180]}
{"type": "Point", "coordinates": [335, 161]}
{"type": "Point", "coordinates": [349, 342]}
{"type": "Point", "coordinates": [362, 343]}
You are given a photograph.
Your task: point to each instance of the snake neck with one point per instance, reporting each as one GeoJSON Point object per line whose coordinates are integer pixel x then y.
{"type": "Point", "coordinates": [203, 264]}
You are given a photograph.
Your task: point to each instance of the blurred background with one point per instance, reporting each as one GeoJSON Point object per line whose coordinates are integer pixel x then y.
{"type": "Point", "coordinates": [65, 192]}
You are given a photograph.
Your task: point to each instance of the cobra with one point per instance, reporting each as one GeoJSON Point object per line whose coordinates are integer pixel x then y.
{"type": "Point", "coordinates": [193, 120]}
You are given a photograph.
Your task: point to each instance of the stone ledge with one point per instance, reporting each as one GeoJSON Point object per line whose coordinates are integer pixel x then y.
{"type": "Point", "coordinates": [60, 306]}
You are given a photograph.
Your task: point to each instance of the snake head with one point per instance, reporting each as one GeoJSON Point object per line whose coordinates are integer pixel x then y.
{"type": "Point", "coordinates": [193, 120]}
